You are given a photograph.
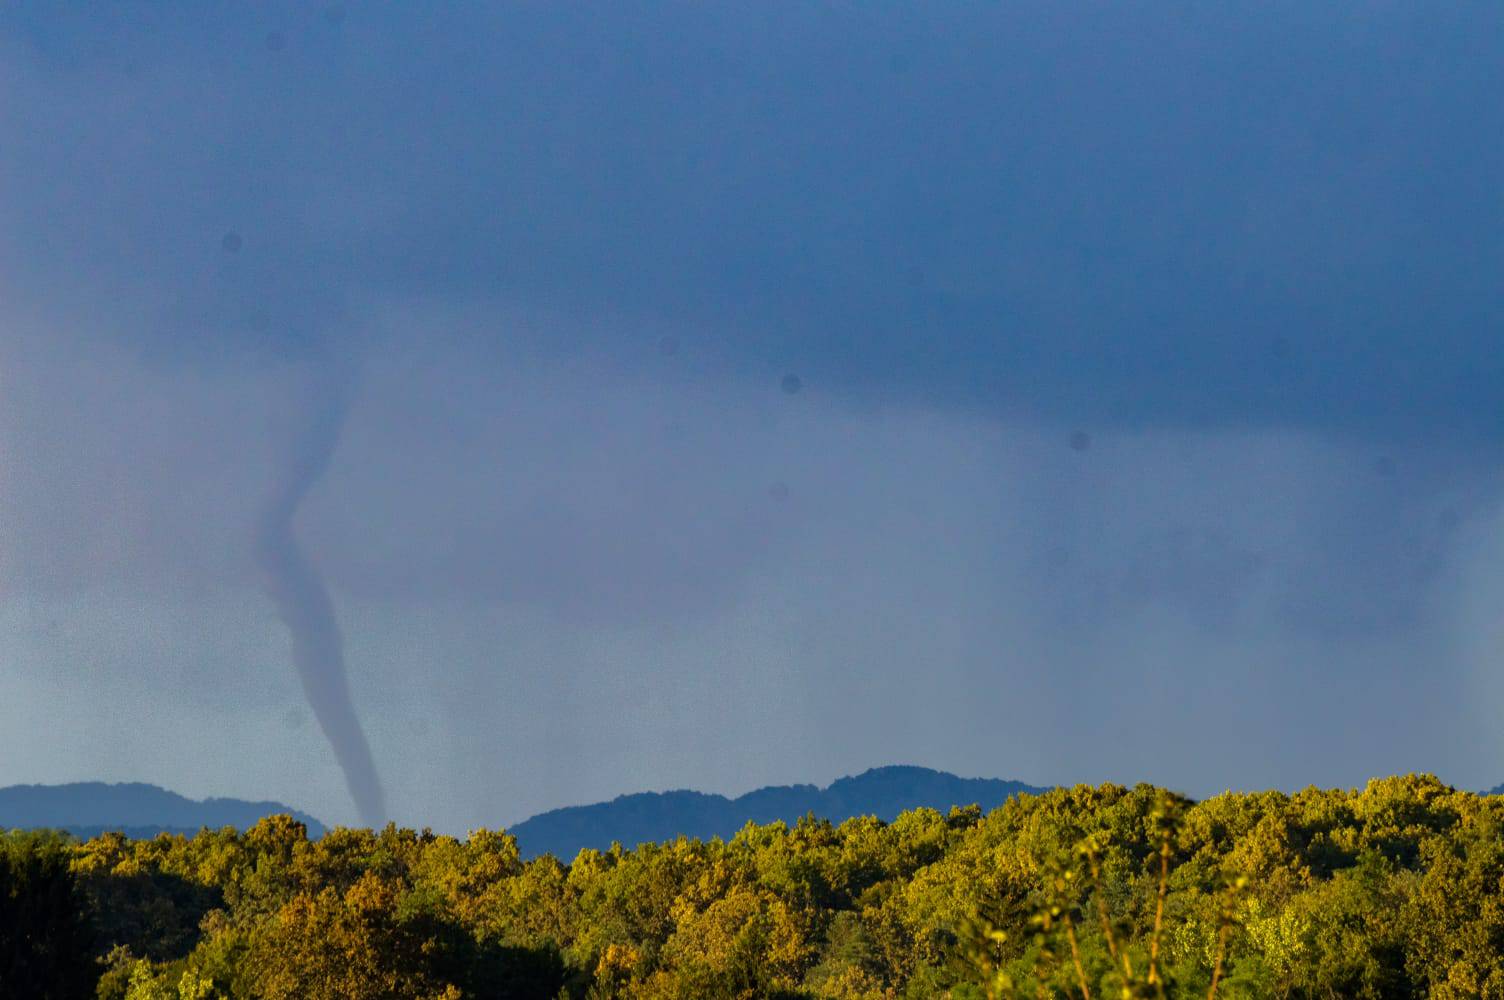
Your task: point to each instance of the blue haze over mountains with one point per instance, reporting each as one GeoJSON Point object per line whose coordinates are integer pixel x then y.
{"type": "Point", "coordinates": [89, 808]}
{"type": "Point", "coordinates": [883, 792]}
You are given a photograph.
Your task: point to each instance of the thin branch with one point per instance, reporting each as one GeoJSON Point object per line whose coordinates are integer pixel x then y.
{"type": "Point", "coordinates": [1070, 934]}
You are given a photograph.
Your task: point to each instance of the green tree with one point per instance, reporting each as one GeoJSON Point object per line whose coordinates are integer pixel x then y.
{"type": "Point", "coordinates": [46, 940]}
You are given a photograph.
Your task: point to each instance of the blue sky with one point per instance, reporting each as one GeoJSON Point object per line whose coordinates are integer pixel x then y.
{"type": "Point", "coordinates": [1148, 379]}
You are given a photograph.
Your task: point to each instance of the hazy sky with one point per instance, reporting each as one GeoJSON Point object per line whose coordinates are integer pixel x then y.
{"type": "Point", "coordinates": [718, 395]}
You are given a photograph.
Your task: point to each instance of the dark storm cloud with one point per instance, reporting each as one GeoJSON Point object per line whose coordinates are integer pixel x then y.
{"type": "Point", "coordinates": [1275, 215]}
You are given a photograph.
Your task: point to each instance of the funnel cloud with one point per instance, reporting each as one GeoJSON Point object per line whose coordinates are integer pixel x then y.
{"type": "Point", "coordinates": [302, 599]}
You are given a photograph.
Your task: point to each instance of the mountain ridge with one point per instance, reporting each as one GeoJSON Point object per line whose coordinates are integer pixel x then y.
{"type": "Point", "coordinates": [137, 808]}
{"type": "Point", "coordinates": [640, 817]}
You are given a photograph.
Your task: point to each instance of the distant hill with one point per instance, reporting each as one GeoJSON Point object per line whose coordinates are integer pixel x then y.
{"type": "Point", "coordinates": [1496, 790]}
{"type": "Point", "coordinates": [655, 816]}
{"type": "Point", "coordinates": [88, 808]}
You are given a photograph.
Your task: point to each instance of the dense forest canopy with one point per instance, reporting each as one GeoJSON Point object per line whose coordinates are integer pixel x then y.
{"type": "Point", "coordinates": [1394, 891]}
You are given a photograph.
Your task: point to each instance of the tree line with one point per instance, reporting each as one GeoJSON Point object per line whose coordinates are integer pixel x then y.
{"type": "Point", "coordinates": [1396, 890]}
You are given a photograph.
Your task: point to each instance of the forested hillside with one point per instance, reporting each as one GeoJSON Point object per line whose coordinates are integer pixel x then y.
{"type": "Point", "coordinates": [1394, 891]}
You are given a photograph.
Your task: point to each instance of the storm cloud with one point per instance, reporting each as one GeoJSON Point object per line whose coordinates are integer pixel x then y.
{"type": "Point", "coordinates": [1145, 413]}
